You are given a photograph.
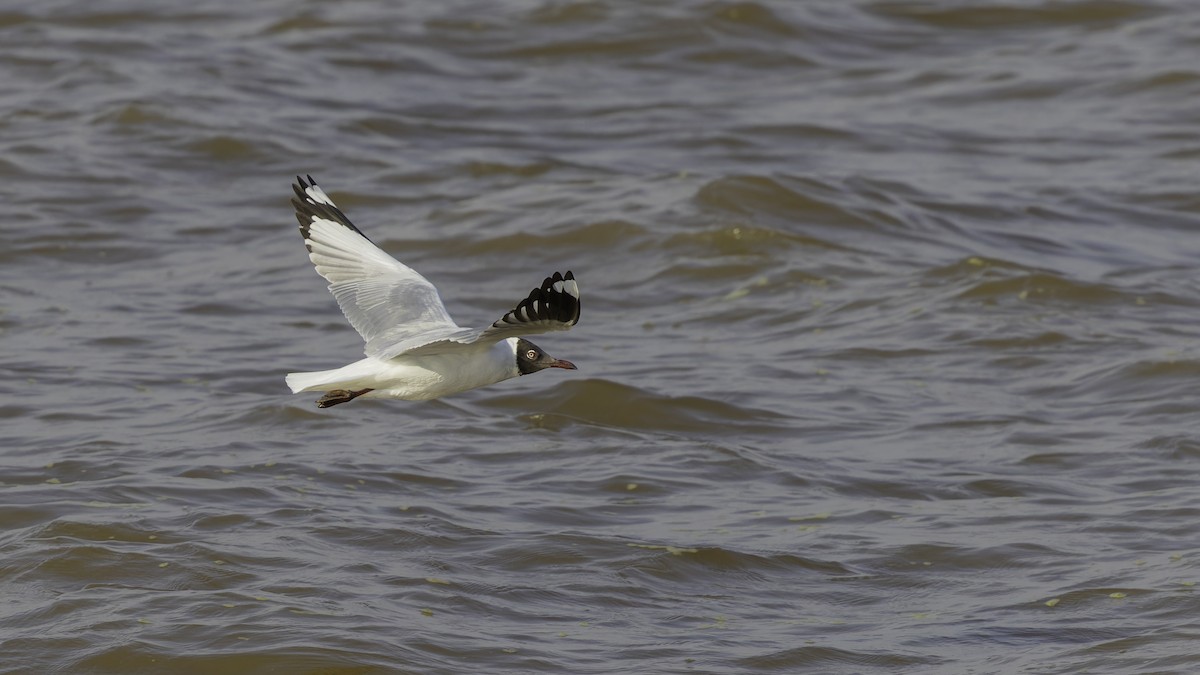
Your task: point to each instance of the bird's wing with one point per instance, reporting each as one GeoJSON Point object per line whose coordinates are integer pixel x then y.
{"type": "Point", "coordinates": [392, 307]}
{"type": "Point", "coordinates": [553, 306]}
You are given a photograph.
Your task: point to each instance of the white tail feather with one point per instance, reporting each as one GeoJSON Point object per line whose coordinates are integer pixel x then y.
{"type": "Point", "coordinates": [316, 381]}
{"type": "Point", "coordinates": [352, 376]}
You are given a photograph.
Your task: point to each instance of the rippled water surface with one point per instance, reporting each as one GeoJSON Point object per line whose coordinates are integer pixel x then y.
{"type": "Point", "coordinates": [887, 356]}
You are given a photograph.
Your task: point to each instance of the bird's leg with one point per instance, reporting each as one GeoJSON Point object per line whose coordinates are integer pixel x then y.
{"type": "Point", "coordinates": [336, 396]}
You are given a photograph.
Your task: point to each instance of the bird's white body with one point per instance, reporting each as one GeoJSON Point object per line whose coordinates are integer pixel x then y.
{"type": "Point", "coordinates": [414, 350]}
{"type": "Point", "coordinates": [419, 377]}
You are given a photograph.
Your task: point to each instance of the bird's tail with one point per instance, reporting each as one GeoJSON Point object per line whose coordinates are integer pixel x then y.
{"type": "Point", "coordinates": [356, 375]}
{"type": "Point", "coordinates": [315, 381]}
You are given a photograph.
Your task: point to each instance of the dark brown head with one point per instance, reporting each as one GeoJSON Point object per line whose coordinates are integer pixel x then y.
{"type": "Point", "coordinates": [531, 358]}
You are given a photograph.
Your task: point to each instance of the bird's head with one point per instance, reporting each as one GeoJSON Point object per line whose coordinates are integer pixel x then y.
{"type": "Point", "coordinates": [531, 358]}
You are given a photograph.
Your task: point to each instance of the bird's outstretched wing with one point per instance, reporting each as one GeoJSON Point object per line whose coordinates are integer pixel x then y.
{"type": "Point", "coordinates": [554, 306]}
{"type": "Point", "coordinates": [395, 309]}
{"type": "Point", "coordinates": [387, 302]}
{"type": "Point", "coordinates": [551, 307]}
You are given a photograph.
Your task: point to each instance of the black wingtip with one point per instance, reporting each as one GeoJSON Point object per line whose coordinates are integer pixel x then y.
{"type": "Point", "coordinates": [308, 208]}
{"type": "Point", "coordinates": [552, 301]}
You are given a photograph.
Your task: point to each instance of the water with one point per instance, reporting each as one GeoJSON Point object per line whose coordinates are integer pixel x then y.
{"type": "Point", "coordinates": [886, 360]}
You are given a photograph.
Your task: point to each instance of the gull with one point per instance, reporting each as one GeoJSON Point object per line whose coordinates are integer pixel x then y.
{"type": "Point", "coordinates": [414, 350]}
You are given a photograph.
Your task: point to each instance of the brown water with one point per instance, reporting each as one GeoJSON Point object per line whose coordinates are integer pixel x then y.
{"type": "Point", "coordinates": [887, 357]}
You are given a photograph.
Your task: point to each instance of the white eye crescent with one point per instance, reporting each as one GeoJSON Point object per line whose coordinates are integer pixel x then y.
{"type": "Point", "coordinates": [531, 355]}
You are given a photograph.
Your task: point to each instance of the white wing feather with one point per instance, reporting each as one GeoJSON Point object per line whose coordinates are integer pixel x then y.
{"type": "Point", "coordinates": [379, 295]}
{"type": "Point", "coordinates": [395, 309]}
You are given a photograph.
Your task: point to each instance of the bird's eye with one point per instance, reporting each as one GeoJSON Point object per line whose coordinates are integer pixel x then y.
{"type": "Point", "coordinates": [531, 355]}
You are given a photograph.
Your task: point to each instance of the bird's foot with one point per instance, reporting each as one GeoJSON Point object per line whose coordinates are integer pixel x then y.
{"type": "Point", "coordinates": [336, 396]}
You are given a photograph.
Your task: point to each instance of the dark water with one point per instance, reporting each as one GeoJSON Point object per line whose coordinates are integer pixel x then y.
{"type": "Point", "coordinates": [887, 357]}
